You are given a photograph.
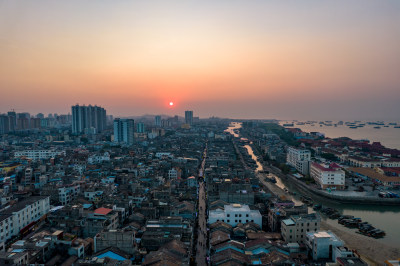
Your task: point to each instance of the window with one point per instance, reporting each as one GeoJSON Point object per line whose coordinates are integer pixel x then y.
{"type": "Point", "coordinates": [228, 215]}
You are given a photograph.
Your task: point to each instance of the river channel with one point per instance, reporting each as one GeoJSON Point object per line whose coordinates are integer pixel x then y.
{"type": "Point", "coordinates": [386, 218]}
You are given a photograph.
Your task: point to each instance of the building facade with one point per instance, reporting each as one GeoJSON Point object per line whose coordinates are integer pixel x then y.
{"type": "Point", "coordinates": [299, 159]}
{"type": "Point", "coordinates": [234, 214]}
{"type": "Point", "coordinates": [88, 119]}
{"type": "Point", "coordinates": [328, 176]}
{"type": "Point", "coordinates": [16, 218]}
{"type": "Point", "coordinates": [124, 131]}
{"type": "Point", "coordinates": [295, 228]}
{"type": "Point", "coordinates": [189, 117]}
{"type": "Point", "coordinates": [39, 154]}
{"type": "Point", "coordinates": [322, 244]}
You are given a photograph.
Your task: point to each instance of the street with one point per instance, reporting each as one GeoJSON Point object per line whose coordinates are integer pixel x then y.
{"type": "Point", "coordinates": [201, 252]}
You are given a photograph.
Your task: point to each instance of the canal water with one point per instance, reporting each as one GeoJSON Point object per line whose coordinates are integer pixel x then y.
{"type": "Point", "coordinates": [386, 218]}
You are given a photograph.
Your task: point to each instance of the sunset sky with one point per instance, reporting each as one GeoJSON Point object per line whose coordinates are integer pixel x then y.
{"type": "Point", "coordinates": [239, 59]}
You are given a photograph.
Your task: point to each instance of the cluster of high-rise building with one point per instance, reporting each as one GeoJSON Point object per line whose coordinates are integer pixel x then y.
{"type": "Point", "coordinates": [88, 119]}
{"type": "Point", "coordinates": [13, 121]}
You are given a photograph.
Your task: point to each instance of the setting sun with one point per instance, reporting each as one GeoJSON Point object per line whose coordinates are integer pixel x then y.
{"type": "Point", "coordinates": [171, 104]}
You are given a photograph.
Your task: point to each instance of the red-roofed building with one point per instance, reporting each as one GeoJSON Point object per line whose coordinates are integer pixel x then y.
{"type": "Point", "coordinates": [102, 211]}
{"type": "Point", "coordinates": [328, 176]}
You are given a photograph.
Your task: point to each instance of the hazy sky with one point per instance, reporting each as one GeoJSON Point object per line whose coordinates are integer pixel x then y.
{"type": "Point", "coordinates": [243, 59]}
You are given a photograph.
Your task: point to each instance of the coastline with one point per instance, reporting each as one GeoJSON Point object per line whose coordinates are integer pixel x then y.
{"type": "Point", "coordinates": [362, 200]}
{"type": "Point", "coordinates": [371, 250]}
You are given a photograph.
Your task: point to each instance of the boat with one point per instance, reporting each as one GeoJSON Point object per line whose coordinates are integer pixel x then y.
{"type": "Point", "coordinates": [396, 127]}
{"type": "Point", "coordinates": [334, 216]}
{"type": "Point", "coordinates": [377, 233]}
{"type": "Point", "coordinates": [343, 217]}
{"type": "Point", "coordinates": [288, 125]}
{"type": "Point", "coordinates": [317, 207]}
{"type": "Point", "coordinates": [377, 127]}
{"type": "Point", "coordinates": [353, 127]}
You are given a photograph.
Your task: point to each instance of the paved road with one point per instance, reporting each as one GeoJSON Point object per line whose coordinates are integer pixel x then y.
{"type": "Point", "coordinates": [201, 252]}
{"type": "Point", "coordinates": [201, 247]}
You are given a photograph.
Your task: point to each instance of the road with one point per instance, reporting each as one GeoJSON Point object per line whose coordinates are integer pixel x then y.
{"type": "Point", "coordinates": [201, 247]}
{"type": "Point", "coordinates": [201, 250]}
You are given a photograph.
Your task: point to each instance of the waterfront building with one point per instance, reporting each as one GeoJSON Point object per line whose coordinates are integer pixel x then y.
{"type": "Point", "coordinates": [84, 118]}
{"type": "Point", "coordinates": [376, 175]}
{"type": "Point", "coordinates": [328, 176]}
{"type": "Point", "coordinates": [234, 214]}
{"type": "Point", "coordinates": [295, 228]}
{"type": "Point", "coordinates": [189, 117]}
{"type": "Point", "coordinates": [299, 159]}
{"type": "Point", "coordinates": [124, 131]}
{"type": "Point", "coordinates": [322, 244]}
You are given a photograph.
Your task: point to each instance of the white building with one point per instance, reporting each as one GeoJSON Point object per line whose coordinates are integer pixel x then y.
{"type": "Point", "coordinates": [322, 244]}
{"type": "Point", "coordinates": [295, 228]}
{"type": "Point", "coordinates": [299, 159]}
{"type": "Point", "coordinates": [234, 214]}
{"type": "Point", "coordinates": [328, 176]}
{"type": "Point", "coordinates": [174, 173]}
{"type": "Point", "coordinates": [161, 155]}
{"type": "Point", "coordinates": [38, 154]}
{"type": "Point", "coordinates": [15, 219]}
{"type": "Point", "coordinates": [68, 193]}
{"type": "Point", "coordinates": [99, 158]}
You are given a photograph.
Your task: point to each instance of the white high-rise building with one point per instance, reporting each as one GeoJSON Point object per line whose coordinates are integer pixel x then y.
{"type": "Point", "coordinates": [299, 159]}
{"type": "Point", "coordinates": [124, 131]}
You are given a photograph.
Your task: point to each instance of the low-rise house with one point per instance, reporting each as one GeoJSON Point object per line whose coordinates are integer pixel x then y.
{"type": "Point", "coordinates": [321, 244]}
{"type": "Point", "coordinates": [375, 176]}
{"type": "Point", "coordinates": [124, 239]}
{"type": "Point", "coordinates": [234, 214]}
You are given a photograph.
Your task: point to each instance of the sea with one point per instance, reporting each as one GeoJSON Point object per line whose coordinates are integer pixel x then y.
{"type": "Point", "coordinates": [387, 136]}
